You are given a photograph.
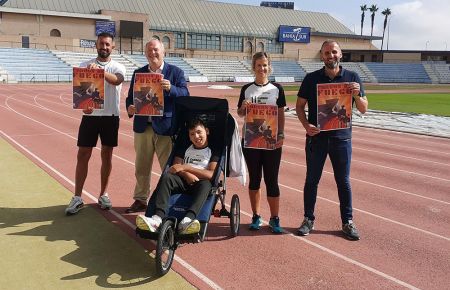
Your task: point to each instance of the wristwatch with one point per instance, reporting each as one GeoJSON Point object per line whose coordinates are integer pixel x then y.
{"type": "Point", "coordinates": [281, 135]}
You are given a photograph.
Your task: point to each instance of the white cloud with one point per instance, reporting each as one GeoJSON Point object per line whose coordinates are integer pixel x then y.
{"type": "Point", "coordinates": [417, 25]}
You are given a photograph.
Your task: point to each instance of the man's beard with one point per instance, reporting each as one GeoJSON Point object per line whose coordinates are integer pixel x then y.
{"type": "Point", "coordinates": [103, 53]}
{"type": "Point", "coordinates": [332, 65]}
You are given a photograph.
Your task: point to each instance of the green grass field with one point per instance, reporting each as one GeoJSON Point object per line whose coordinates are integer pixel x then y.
{"type": "Point", "coordinates": [429, 103]}
{"type": "Point", "coordinates": [424, 103]}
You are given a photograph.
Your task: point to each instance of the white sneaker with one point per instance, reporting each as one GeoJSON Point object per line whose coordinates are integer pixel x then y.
{"type": "Point", "coordinates": [74, 206]}
{"type": "Point", "coordinates": [104, 202]}
{"type": "Point", "coordinates": [148, 223]}
{"type": "Point", "coordinates": [188, 226]}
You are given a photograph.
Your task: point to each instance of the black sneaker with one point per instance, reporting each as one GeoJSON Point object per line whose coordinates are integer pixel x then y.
{"type": "Point", "coordinates": [306, 227]}
{"type": "Point", "coordinates": [350, 231]}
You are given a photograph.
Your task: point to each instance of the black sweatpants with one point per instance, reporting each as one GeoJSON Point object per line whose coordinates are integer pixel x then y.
{"type": "Point", "coordinates": [172, 183]}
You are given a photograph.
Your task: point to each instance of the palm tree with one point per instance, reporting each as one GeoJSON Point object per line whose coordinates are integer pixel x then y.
{"type": "Point", "coordinates": [363, 10]}
{"type": "Point", "coordinates": [386, 12]}
{"type": "Point", "coordinates": [373, 9]}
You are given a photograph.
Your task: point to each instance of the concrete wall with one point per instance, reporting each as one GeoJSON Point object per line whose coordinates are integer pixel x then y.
{"type": "Point", "coordinates": [402, 57]}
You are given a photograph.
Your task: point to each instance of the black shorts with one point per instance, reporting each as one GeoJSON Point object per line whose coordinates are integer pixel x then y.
{"type": "Point", "coordinates": [92, 126]}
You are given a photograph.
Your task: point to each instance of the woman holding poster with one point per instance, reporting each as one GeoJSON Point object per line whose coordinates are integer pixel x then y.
{"type": "Point", "coordinates": [262, 104]}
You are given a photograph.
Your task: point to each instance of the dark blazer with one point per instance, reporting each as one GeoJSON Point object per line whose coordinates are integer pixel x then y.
{"type": "Point", "coordinates": [178, 88]}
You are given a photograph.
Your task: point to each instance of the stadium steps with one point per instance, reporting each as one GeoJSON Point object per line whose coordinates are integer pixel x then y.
{"type": "Point", "coordinates": [74, 59]}
{"type": "Point", "coordinates": [288, 69]}
{"type": "Point", "coordinates": [219, 70]}
{"type": "Point", "coordinates": [368, 74]}
{"type": "Point", "coordinates": [399, 72]}
{"type": "Point", "coordinates": [438, 70]}
{"type": "Point", "coordinates": [431, 73]}
{"type": "Point", "coordinates": [33, 65]}
{"type": "Point", "coordinates": [188, 70]}
{"type": "Point", "coordinates": [364, 73]}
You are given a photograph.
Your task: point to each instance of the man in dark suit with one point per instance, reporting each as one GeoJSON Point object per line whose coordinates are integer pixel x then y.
{"type": "Point", "coordinates": [152, 134]}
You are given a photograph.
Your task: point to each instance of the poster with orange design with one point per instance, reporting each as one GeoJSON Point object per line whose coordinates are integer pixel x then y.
{"type": "Point", "coordinates": [334, 106]}
{"type": "Point", "coordinates": [88, 88]}
{"type": "Point", "coordinates": [148, 97]}
{"type": "Point", "coordinates": [261, 126]}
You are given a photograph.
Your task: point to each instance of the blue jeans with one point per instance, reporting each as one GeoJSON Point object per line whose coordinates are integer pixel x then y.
{"type": "Point", "coordinates": [340, 151]}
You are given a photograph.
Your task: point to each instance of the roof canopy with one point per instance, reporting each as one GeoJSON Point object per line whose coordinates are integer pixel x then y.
{"type": "Point", "coordinates": [198, 15]}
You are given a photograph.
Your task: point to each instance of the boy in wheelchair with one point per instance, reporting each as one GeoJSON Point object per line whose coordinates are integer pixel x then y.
{"type": "Point", "coordinates": [191, 173]}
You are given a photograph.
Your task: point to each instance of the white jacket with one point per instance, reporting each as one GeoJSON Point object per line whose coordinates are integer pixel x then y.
{"type": "Point", "coordinates": [237, 161]}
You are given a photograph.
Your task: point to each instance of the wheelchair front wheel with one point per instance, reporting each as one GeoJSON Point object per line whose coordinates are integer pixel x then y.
{"type": "Point", "coordinates": [165, 247]}
{"type": "Point", "coordinates": [235, 215]}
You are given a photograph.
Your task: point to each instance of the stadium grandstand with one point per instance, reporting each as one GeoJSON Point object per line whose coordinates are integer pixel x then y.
{"type": "Point", "coordinates": [211, 41]}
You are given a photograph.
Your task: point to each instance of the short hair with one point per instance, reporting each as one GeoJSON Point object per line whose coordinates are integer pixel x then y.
{"type": "Point", "coordinates": [157, 39]}
{"type": "Point", "coordinates": [329, 41]}
{"type": "Point", "coordinates": [106, 34]}
{"type": "Point", "coordinates": [259, 55]}
{"type": "Point", "coordinates": [196, 122]}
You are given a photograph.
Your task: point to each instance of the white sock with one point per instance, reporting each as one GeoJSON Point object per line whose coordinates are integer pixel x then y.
{"type": "Point", "coordinates": [186, 220]}
{"type": "Point", "coordinates": [157, 218]}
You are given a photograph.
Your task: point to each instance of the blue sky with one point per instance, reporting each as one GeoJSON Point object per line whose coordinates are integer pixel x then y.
{"type": "Point", "coordinates": [414, 24]}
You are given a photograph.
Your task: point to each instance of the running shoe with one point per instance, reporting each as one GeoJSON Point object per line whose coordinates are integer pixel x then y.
{"type": "Point", "coordinates": [74, 206]}
{"type": "Point", "coordinates": [274, 224]}
{"type": "Point", "coordinates": [187, 226]}
{"type": "Point", "coordinates": [256, 223]}
{"type": "Point", "coordinates": [104, 202]}
{"type": "Point", "coordinates": [350, 231]}
{"type": "Point", "coordinates": [148, 223]}
{"type": "Point", "coordinates": [306, 227]}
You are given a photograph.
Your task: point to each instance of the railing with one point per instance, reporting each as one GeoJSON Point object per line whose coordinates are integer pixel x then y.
{"type": "Point", "coordinates": [44, 78]}
{"type": "Point", "coordinates": [14, 44]}
{"type": "Point", "coordinates": [4, 78]}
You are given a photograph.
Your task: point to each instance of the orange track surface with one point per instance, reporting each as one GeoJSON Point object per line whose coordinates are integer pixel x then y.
{"type": "Point", "coordinates": [401, 199]}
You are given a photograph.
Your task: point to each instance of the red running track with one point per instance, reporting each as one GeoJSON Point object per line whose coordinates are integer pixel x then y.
{"type": "Point", "coordinates": [401, 196]}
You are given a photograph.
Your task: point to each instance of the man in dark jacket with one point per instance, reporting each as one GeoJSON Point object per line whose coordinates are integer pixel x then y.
{"type": "Point", "coordinates": [152, 134]}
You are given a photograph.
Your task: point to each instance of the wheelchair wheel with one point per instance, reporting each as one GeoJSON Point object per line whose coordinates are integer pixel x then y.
{"type": "Point", "coordinates": [165, 248]}
{"type": "Point", "coordinates": [235, 215]}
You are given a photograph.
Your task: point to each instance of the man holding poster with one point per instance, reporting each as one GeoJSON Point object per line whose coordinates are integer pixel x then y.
{"type": "Point", "coordinates": [152, 133]}
{"type": "Point", "coordinates": [335, 142]}
{"type": "Point", "coordinates": [103, 123]}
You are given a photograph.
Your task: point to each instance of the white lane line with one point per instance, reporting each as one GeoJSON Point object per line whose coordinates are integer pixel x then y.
{"type": "Point", "coordinates": [343, 257]}
{"type": "Point", "coordinates": [297, 132]}
{"type": "Point", "coordinates": [43, 134]}
{"type": "Point", "coordinates": [356, 139]}
{"type": "Point", "coordinates": [305, 240]}
{"type": "Point", "coordinates": [385, 153]}
{"type": "Point", "coordinates": [39, 106]}
{"type": "Point", "coordinates": [300, 134]}
{"type": "Point", "coordinates": [317, 245]}
{"type": "Point", "coordinates": [385, 167]}
{"type": "Point", "coordinates": [125, 160]}
{"type": "Point", "coordinates": [36, 101]}
{"type": "Point", "coordinates": [185, 264]}
{"type": "Point", "coordinates": [401, 156]}
{"type": "Point", "coordinates": [375, 215]}
{"type": "Point", "coordinates": [61, 132]}
{"type": "Point", "coordinates": [404, 171]}
{"type": "Point", "coordinates": [376, 184]}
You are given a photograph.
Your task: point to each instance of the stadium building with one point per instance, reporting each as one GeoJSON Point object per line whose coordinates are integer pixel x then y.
{"type": "Point", "coordinates": [189, 28]}
{"type": "Point", "coordinates": [195, 34]}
